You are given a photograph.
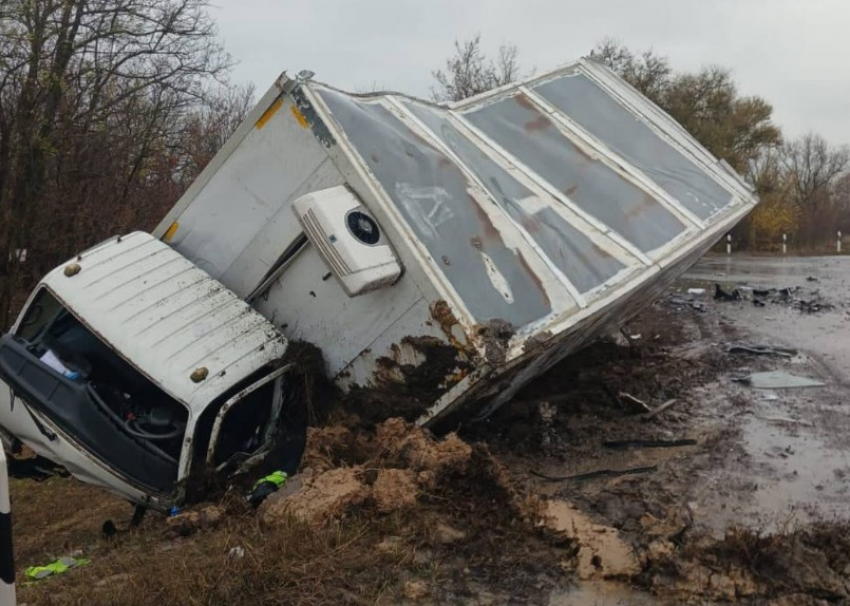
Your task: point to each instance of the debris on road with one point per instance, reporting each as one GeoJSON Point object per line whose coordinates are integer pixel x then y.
{"type": "Point", "coordinates": [761, 350]}
{"type": "Point", "coordinates": [778, 380]}
{"type": "Point", "coordinates": [657, 411]}
{"type": "Point", "coordinates": [787, 420]}
{"type": "Point", "coordinates": [591, 475]}
{"type": "Point", "coordinates": [637, 406]}
{"type": "Point", "coordinates": [721, 294]}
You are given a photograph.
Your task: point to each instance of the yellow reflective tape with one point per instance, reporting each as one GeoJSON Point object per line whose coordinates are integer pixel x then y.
{"type": "Point", "coordinates": [300, 117]}
{"type": "Point", "coordinates": [171, 231]}
{"type": "Point", "coordinates": [271, 111]}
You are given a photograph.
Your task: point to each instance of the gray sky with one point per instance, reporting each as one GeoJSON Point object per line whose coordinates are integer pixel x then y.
{"type": "Point", "coordinates": [792, 52]}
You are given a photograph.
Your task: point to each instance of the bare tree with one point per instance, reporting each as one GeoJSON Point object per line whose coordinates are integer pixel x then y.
{"type": "Point", "coordinates": [469, 72]}
{"type": "Point", "coordinates": [78, 75]}
{"type": "Point", "coordinates": [813, 169]}
{"type": "Point", "coordinates": [648, 72]}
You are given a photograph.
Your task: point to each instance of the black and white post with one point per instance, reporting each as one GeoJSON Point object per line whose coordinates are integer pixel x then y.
{"type": "Point", "coordinates": [7, 562]}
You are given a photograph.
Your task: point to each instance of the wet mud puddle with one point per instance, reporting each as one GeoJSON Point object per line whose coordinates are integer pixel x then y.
{"type": "Point", "coordinates": [604, 558]}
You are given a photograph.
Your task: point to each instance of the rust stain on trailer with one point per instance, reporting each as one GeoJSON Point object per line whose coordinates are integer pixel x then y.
{"type": "Point", "coordinates": [269, 113]}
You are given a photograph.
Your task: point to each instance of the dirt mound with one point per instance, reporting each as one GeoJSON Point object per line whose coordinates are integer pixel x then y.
{"type": "Point", "coordinates": [322, 496]}
{"type": "Point", "coordinates": [390, 470]}
{"type": "Point", "coordinates": [395, 489]}
{"type": "Point", "coordinates": [327, 447]}
{"type": "Point", "coordinates": [418, 450]}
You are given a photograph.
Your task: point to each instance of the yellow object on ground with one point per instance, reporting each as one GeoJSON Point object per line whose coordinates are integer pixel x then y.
{"type": "Point", "coordinates": [60, 566]}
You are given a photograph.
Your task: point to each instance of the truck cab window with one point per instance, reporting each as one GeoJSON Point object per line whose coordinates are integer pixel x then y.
{"type": "Point", "coordinates": [104, 402]}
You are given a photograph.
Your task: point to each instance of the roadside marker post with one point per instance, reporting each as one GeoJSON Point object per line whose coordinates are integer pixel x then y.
{"type": "Point", "coordinates": [7, 561]}
{"type": "Point", "coordinates": [838, 244]}
{"type": "Point", "coordinates": [784, 244]}
{"type": "Point", "coordinates": [729, 244]}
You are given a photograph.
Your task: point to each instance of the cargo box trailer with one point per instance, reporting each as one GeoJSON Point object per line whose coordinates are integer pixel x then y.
{"type": "Point", "coordinates": [440, 256]}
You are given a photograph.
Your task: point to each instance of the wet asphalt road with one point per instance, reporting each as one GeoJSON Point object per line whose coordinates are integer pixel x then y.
{"type": "Point", "coordinates": [824, 336]}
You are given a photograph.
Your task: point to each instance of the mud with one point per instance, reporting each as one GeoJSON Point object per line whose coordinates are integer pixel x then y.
{"type": "Point", "coordinates": [755, 512]}
{"type": "Point", "coordinates": [747, 502]}
{"type": "Point", "coordinates": [406, 389]}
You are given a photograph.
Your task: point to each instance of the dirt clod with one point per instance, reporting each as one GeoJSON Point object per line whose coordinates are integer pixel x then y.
{"type": "Point", "coordinates": [323, 497]}
{"type": "Point", "coordinates": [447, 535]}
{"type": "Point", "coordinates": [394, 489]}
{"type": "Point", "coordinates": [191, 521]}
{"type": "Point", "coordinates": [415, 590]}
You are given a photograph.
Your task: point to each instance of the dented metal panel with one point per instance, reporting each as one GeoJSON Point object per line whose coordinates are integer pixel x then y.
{"type": "Point", "coordinates": [530, 135]}
{"type": "Point", "coordinates": [587, 104]}
{"type": "Point", "coordinates": [584, 262]}
{"type": "Point", "coordinates": [167, 317]}
{"type": "Point", "coordinates": [447, 212]}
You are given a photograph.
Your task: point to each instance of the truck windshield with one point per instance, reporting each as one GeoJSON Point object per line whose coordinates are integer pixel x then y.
{"type": "Point", "coordinates": [65, 371]}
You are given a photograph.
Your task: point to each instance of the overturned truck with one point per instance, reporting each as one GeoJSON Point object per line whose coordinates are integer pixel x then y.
{"type": "Point", "coordinates": [440, 256]}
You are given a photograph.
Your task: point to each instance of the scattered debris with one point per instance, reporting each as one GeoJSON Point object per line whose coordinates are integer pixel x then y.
{"type": "Point", "coordinates": [638, 406]}
{"type": "Point", "coordinates": [236, 553]}
{"type": "Point", "coordinates": [778, 380]}
{"type": "Point", "coordinates": [720, 294]}
{"type": "Point", "coordinates": [602, 473]}
{"type": "Point", "coordinates": [762, 350]}
{"type": "Point", "coordinates": [654, 413]}
{"type": "Point", "coordinates": [788, 420]}
{"type": "Point", "coordinates": [682, 302]}
{"type": "Point", "coordinates": [696, 291]}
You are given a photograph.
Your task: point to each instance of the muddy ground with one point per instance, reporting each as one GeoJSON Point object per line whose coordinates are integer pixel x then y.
{"type": "Point", "coordinates": [733, 494]}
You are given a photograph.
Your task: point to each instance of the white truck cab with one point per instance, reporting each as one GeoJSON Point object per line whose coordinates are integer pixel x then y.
{"type": "Point", "coordinates": [134, 369]}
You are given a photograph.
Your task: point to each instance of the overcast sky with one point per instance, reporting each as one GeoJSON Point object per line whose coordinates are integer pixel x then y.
{"type": "Point", "coordinates": [794, 53]}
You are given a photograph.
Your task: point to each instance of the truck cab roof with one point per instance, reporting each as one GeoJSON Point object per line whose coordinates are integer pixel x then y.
{"type": "Point", "coordinates": [192, 337]}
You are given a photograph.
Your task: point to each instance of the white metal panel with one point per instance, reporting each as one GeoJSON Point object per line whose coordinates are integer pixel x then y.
{"type": "Point", "coordinates": [309, 304]}
{"type": "Point", "coordinates": [167, 317]}
{"type": "Point", "coordinates": [273, 163]}
{"type": "Point", "coordinates": [265, 249]}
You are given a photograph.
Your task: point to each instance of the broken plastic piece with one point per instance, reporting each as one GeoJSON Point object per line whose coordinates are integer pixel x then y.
{"type": "Point", "coordinates": [602, 473]}
{"type": "Point", "coordinates": [778, 380]}
{"type": "Point", "coordinates": [763, 350]}
{"type": "Point", "coordinates": [720, 294]}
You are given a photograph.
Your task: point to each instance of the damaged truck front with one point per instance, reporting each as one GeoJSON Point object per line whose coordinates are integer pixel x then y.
{"type": "Point", "coordinates": [441, 257]}
{"type": "Point", "coordinates": [139, 373]}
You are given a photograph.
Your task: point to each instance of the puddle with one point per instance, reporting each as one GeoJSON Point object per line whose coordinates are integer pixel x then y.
{"type": "Point", "coordinates": [787, 476]}
{"type": "Point", "coordinates": [603, 552]}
